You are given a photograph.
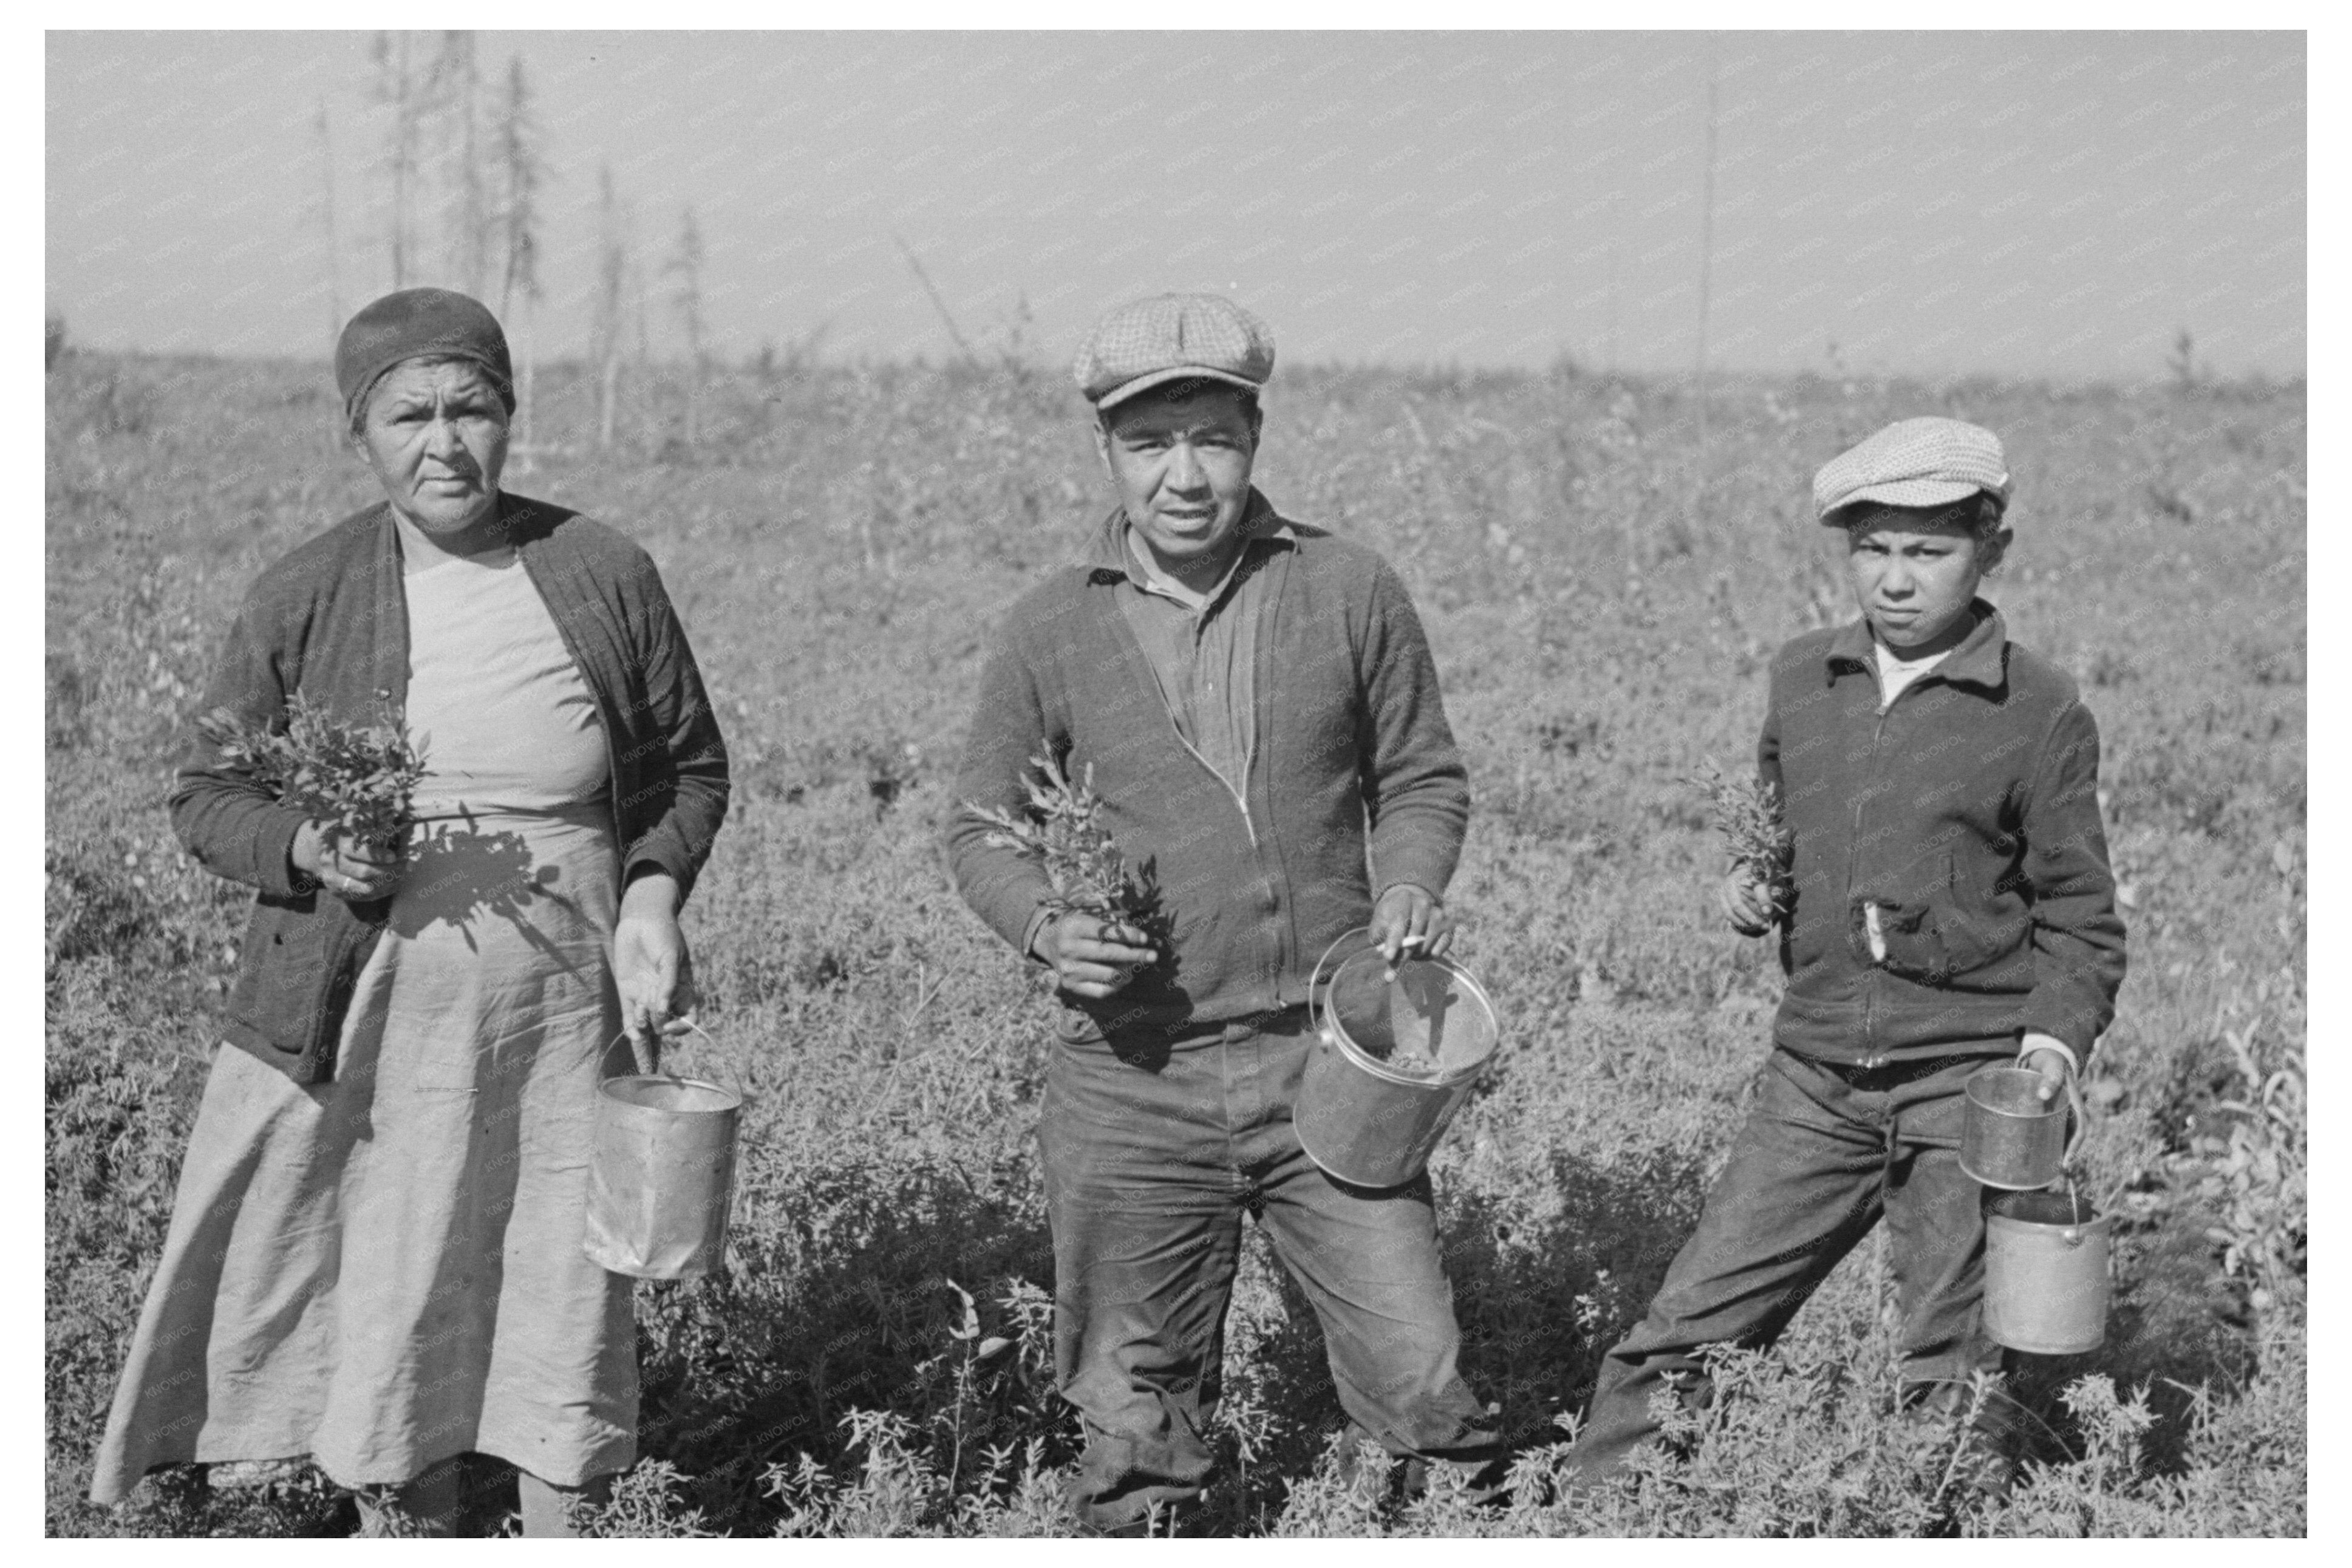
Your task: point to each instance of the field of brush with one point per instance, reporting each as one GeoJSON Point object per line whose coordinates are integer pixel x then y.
{"type": "Point", "coordinates": [1603, 594]}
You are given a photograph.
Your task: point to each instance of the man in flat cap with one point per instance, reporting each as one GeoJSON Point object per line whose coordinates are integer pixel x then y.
{"type": "Point", "coordinates": [1255, 703]}
{"type": "Point", "coordinates": [1948, 908]}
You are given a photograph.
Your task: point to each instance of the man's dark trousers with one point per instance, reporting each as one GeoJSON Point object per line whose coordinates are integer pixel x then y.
{"type": "Point", "coordinates": [1827, 1152]}
{"type": "Point", "coordinates": [1152, 1150]}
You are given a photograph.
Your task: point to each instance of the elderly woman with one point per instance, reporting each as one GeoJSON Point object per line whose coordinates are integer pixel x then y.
{"type": "Point", "coordinates": [376, 1258]}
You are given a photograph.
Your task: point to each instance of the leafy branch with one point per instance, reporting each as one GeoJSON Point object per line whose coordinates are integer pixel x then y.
{"type": "Point", "coordinates": [359, 779]}
{"type": "Point", "coordinates": [1748, 815]}
{"type": "Point", "coordinates": [1061, 830]}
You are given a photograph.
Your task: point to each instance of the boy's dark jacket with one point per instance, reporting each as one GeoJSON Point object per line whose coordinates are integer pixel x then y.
{"type": "Point", "coordinates": [1968, 812]}
{"type": "Point", "coordinates": [329, 619]}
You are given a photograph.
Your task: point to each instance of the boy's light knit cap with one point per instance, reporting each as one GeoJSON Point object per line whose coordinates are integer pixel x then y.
{"type": "Point", "coordinates": [1170, 337]}
{"type": "Point", "coordinates": [1929, 461]}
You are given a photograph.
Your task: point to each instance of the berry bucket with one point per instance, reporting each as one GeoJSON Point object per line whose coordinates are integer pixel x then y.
{"type": "Point", "coordinates": [2045, 1273]}
{"type": "Point", "coordinates": [1398, 1049]}
{"type": "Point", "coordinates": [661, 1179]}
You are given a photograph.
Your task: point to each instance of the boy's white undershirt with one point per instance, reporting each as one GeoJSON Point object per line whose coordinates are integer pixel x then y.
{"type": "Point", "coordinates": [1895, 672]}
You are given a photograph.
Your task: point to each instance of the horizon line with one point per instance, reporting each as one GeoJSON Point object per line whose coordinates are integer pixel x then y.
{"type": "Point", "coordinates": [2255, 380]}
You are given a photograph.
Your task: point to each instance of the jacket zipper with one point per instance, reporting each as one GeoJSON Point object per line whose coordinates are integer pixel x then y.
{"type": "Point", "coordinates": [1238, 796]}
{"type": "Point", "coordinates": [1249, 823]}
{"type": "Point", "coordinates": [1854, 855]}
{"type": "Point", "coordinates": [1870, 1056]}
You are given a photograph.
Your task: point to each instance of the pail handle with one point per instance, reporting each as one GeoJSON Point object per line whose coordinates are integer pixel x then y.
{"type": "Point", "coordinates": [734, 1079]}
{"type": "Point", "coordinates": [2081, 1125]}
{"type": "Point", "coordinates": [1316, 979]}
{"type": "Point", "coordinates": [2075, 1222]}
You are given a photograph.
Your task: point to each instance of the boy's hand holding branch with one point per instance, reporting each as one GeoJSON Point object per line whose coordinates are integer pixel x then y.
{"type": "Point", "coordinates": [1754, 894]}
{"type": "Point", "coordinates": [1746, 902]}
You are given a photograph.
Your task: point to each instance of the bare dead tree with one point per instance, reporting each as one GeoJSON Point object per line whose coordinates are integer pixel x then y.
{"type": "Point", "coordinates": [1017, 330]}
{"type": "Point", "coordinates": [1706, 252]}
{"type": "Point", "coordinates": [612, 276]}
{"type": "Point", "coordinates": [937, 303]}
{"type": "Point", "coordinates": [453, 93]}
{"type": "Point", "coordinates": [522, 172]}
{"type": "Point", "coordinates": [1616, 266]}
{"type": "Point", "coordinates": [335, 264]}
{"type": "Point", "coordinates": [686, 265]}
{"type": "Point", "coordinates": [638, 291]}
{"type": "Point", "coordinates": [397, 89]}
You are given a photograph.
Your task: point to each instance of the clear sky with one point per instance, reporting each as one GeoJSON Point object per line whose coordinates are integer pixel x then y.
{"type": "Point", "coordinates": [2037, 204]}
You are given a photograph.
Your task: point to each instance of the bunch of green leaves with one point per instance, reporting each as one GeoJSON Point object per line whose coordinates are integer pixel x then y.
{"type": "Point", "coordinates": [1061, 830]}
{"type": "Point", "coordinates": [359, 780]}
{"type": "Point", "coordinates": [1748, 815]}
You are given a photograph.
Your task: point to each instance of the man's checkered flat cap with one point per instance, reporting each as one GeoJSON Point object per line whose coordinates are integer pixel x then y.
{"type": "Point", "coordinates": [1913, 462]}
{"type": "Point", "coordinates": [1170, 337]}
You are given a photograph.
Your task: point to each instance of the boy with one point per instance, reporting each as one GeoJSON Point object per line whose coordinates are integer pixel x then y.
{"type": "Point", "coordinates": [1951, 908]}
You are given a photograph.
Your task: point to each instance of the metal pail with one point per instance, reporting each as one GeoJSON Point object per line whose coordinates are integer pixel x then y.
{"type": "Point", "coordinates": [1398, 1049]}
{"type": "Point", "coordinates": [663, 1176]}
{"type": "Point", "coordinates": [2045, 1273]}
{"type": "Point", "coordinates": [2010, 1137]}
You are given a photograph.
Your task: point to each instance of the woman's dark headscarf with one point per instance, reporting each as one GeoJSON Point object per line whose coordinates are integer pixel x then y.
{"type": "Point", "coordinates": [418, 323]}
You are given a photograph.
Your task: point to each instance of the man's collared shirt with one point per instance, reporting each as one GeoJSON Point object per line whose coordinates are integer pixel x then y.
{"type": "Point", "coordinates": [1203, 651]}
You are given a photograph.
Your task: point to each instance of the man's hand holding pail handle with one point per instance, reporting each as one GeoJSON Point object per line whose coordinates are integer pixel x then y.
{"type": "Point", "coordinates": [1410, 917]}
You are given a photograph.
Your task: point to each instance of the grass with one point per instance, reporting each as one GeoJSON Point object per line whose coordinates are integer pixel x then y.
{"type": "Point", "coordinates": [1602, 599]}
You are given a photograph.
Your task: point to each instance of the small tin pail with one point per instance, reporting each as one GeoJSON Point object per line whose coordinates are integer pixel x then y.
{"type": "Point", "coordinates": [2045, 1273]}
{"type": "Point", "coordinates": [2010, 1137]}
{"type": "Point", "coordinates": [1397, 1051]}
{"type": "Point", "coordinates": [662, 1175]}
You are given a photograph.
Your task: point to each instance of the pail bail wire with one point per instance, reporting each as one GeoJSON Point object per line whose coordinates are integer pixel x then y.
{"type": "Point", "coordinates": [2081, 1129]}
{"type": "Point", "coordinates": [733, 1081]}
{"type": "Point", "coordinates": [1315, 980]}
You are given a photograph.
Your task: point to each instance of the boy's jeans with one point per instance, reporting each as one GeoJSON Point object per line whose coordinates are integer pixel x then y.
{"type": "Point", "coordinates": [1825, 1152]}
{"type": "Point", "coordinates": [1151, 1152]}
